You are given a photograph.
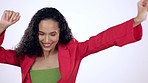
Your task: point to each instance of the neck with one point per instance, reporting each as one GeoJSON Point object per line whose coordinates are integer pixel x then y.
{"type": "Point", "coordinates": [50, 53]}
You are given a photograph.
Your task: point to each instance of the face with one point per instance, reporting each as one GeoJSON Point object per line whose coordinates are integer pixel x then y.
{"type": "Point", "coordinates": [48, 34]}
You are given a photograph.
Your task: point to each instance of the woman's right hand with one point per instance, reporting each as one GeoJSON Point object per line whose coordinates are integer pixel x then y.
{"type": "Point", "coordinates": [8, 18]}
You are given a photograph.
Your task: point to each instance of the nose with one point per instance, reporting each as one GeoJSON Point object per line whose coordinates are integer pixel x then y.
{"type": "Point", "coordinates": [47, 39]}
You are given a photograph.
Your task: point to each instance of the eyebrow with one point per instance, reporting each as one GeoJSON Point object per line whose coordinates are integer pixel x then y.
{"type": "Point", "coordinates": [50, 32]}
{"type": "Point", "coordinates": [40, 32]}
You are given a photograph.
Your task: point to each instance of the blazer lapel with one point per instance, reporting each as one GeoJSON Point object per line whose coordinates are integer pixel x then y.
{"type": "Point", "coordinates": [63, 57]}
{"type": "Point", "coordinates": [64, 60]}
{"type": "Point", "coordinates": [26, 65]}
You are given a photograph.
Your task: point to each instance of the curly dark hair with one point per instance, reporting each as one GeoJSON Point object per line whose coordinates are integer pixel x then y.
{"type": "Point", "coordinates": [29, 44]}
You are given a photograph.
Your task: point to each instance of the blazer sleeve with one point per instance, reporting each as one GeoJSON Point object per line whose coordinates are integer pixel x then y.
{"type": "Point", "coordinates": [118, 35]}
{"type": "Point", "coordinates": [7, 56]}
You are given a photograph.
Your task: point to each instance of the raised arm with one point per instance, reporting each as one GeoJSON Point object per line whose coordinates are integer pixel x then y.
{"type": "Point", "coordinates": [119, 35]}
{"type": "Point", "coordinates": [8, 18]}
{"type": "Point", "coordinates": [8, 56]}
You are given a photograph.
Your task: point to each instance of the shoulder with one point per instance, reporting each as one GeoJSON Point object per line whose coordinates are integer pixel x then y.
{"type": "Point", "coordinates": [71, 44]}
{"type": "Point", "coordinates": [72, 41]}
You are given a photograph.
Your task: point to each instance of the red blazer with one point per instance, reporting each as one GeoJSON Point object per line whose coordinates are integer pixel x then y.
{"type": "Point", "coordinates": [71, 54]}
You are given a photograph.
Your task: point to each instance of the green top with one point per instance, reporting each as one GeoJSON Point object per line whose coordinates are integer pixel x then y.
{"type": "Point", "coordinates": [45, 76]}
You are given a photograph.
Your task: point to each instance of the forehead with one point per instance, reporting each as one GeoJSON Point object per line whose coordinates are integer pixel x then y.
{"type": "Point", "coordinates": [48, 25]}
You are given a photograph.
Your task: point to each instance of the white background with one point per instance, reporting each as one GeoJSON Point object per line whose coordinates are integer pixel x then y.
{"type": "Point", "coordinates": [128, 64]}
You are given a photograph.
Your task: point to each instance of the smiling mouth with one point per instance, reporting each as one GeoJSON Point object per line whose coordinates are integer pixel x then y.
{"type": "Point", "coordinates": [46, 45]}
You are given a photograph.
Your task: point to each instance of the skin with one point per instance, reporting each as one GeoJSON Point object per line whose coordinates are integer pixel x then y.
{"type": "Point", "coordinates": [48, 38]}
{"type": "Point", "coordinates": [8, 18]}
{"type": "Point", "coordinates": [49, 34]}
{"type": "Point", "coordinates": [142, 12]}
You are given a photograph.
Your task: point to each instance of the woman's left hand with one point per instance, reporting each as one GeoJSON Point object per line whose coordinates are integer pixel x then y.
{"type": "Point", "coordinates": [142, 11]}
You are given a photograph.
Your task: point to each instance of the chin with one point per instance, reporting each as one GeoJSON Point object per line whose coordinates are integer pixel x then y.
{"type": "Point", "coordinates": [46, 49]}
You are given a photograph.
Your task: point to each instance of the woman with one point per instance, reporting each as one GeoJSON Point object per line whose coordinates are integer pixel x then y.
{"type": "Point", "coordinates": [49, 53]}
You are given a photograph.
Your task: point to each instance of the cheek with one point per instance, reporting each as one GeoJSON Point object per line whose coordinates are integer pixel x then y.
{"type": "Point", "coordinates": [41, 38]}
{"type": "Point", "coordinates": [56, 39]}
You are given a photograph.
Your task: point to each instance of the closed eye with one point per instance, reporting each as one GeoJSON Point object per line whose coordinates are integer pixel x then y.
{"type": "Point", "coordinates": [53, 33]}
{"type": "Point", "coordinates": [41, 33]}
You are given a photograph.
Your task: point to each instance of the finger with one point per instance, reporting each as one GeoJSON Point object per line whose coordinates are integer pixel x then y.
{"type": "Point", "coordinates": [18, 18]}
{"type": "Point", "coordinates": [10, 13]}
{"type": "Point", "coordinates": [142, 3]}
{"type": "Point", "coordinates": [5, 15]}
{"type": "Point", "coordinates": [147, 5]}
{"type": "Point", "coordinates": [14, 21]}
{"type": "Point", "coordinates": [145, 2]}
{"type": "Point", "coordinates": [13, 15]}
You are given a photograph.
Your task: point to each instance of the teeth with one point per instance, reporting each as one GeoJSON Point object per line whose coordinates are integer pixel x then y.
{"type": "Point", "coordinates": [46, 44]}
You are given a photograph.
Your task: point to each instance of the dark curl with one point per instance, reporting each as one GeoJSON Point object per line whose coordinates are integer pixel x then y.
{"type": "Point", "coordinates": [29, 44]}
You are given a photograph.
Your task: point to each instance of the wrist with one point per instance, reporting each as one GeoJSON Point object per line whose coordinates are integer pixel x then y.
{"type": "Point", "coordinates": [3, 27]}
{"type": "Point", "coordinates": [137, 21]}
